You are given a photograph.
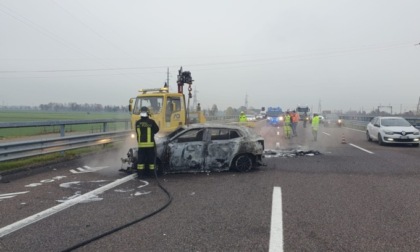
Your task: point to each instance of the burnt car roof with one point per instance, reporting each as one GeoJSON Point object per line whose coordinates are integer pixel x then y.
{"type": "Point", "coordinates": [247, 132]}
{"type": "Point", "coordinates": [219, 125]}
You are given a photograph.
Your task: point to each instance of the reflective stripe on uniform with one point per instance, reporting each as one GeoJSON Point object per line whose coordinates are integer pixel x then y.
{"type": "Point", "coordinates": [148, 142]}
{"type": "Point", "coordinates": [140, 167]}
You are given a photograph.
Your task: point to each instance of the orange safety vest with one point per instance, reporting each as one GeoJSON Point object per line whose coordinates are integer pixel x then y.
{"type": "Point", "coordinates": [295, 117]}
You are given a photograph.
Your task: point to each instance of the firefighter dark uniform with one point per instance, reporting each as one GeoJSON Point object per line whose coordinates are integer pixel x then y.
{"type": "Point", "coordinates": [146, 128]}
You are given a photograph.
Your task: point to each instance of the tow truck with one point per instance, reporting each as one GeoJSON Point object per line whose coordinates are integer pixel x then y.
{"type": "Point", "coordinates": [168, 110]}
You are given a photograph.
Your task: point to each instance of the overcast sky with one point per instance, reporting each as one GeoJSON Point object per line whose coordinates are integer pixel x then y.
{"type": "Point", "coordinates": [356, 54]}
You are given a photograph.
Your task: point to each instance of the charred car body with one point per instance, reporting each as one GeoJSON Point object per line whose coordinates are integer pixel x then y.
{"type": "Point", "coordinates": [205, 148]}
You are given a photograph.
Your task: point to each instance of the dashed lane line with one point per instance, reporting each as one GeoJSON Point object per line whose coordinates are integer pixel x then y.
{"type": "Point", "coordinates": [276, 232]}
{"type": "Point", "coordinates": [360, 148]}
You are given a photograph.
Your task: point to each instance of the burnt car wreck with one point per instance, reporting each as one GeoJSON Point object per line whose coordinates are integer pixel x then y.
{"type": "Point", "coordinates": [206, 148]}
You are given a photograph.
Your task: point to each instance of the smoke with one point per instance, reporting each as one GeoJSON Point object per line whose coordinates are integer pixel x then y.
{"type": "Point", "coordinates": [274, 138]}
{"type": "Point", "coordinates": [110, 157]}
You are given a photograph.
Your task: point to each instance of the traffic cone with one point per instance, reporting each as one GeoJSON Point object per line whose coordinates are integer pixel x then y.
{"type": "Point", "coordinates": [343, 139]}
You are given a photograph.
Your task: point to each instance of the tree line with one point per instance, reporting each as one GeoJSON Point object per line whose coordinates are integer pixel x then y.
{"type": "Point", "coordinates": [74, 107]}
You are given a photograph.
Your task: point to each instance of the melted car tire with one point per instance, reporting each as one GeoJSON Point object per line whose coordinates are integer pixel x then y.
{"type": "Point", "coordinates": [243, 163]}
{"type": "Point", "coordinates": [133, 159]}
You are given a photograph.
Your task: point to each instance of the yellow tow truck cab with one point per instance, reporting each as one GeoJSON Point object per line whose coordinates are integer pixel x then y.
{"type": "Point", "coordinates": [167, 109]}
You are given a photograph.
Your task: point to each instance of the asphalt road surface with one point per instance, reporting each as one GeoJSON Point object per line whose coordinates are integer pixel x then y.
{"type": "Point", "coordinates": [354, 196]}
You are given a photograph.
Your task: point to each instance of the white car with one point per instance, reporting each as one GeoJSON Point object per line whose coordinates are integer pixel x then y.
{"type": "Point", "coordinates": [392, 129]}
{"type": "Point", "coordinates": [251, 118]}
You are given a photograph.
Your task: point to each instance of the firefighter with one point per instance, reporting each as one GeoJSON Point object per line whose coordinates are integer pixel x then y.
{"type": "Point", "coordinates": [242, 117]}
{"type": "Point", "coordinates": [287, 125]}
{"type": "Point", "coordinates": [315, 126]}
{"type": "Point", "coordinates": [146, 128]}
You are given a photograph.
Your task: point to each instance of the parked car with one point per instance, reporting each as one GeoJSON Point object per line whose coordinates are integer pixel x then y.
{"type": "Point", "coordinates": [207, 147]}
{"type": "Point", "coordinates": [332, 120]}
{"type": "Point", "coordinates": [260, 116]}
{"type": "Point", "coordinates": [392, 130]}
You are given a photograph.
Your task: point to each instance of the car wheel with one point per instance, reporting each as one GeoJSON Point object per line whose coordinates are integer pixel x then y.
{"type": "Point", "coordinates": [132, 155]}
{"type": "Point", "coordinates": [380, 142]}
{"type": "Point", "coordinates": [368, 136]}
{"type": "Point", "coordinates": [242, 163]}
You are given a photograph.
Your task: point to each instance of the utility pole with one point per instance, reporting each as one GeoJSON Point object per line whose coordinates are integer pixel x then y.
{"type": "Point", "coordinates": [167, 77]}
{"type": "Point", "coordinates": [195, 101]}
{"type": "Point", "coordinates": [246, 101]}
{"type": "Point", "coordinates": [319, 106]}
{"type": "Point", "coordinates": [418, 107]}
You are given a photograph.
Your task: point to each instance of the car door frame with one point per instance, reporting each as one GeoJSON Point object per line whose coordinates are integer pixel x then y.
{"type": "Point", "coordinates": [375, 128]}
{"type": "Point", "coordinates": [188, 156]}
{"type": "Point", "coordinates": [220, 152]}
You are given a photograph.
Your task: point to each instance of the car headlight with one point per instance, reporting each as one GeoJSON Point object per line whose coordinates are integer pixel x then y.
{"type": "Point", "coordinates": [339, 120]}
{"type": "Point", "coordinates": [269, 118]}
{"type": "Point", "coordinates": [281, 118]}
{"type": "Point", "coordinates": [416, 133]}
{"type": "Point", "coordinates": [388, 132]}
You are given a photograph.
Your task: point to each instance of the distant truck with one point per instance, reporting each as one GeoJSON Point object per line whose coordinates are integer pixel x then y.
{"type": "Point", "coordinates": [274, 116]}
{"type": "Point", "coordinates": [326, 112]}
{"type": "Point", "coordinates": [302, 111]}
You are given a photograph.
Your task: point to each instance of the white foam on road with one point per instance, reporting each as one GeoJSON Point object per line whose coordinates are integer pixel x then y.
{"type": "Point", "coordinates": [276, 232]}
{"type": "Point", "coordinates": [55, 209]}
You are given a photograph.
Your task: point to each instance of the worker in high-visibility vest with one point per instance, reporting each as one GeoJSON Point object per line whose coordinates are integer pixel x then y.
{"type": "Point", "coordinates": [315, 126]}
{"type": "Point", "coordinates": [146, 128]}
{"type": "Point", "coordinates": [242, 117]}
{"type": "Point", "coordinates": [287, 127]}
{"type": "Point", "coordinates": [295, 120]}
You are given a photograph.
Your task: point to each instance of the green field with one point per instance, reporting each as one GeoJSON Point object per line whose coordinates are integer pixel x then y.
{"type": "Point", "coordinates": [36, 116]}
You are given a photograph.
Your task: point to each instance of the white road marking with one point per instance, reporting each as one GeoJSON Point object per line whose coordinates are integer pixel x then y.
{"type": "Point", "coordinates": [33, 185]}
{"type": "Point", "coordinates": [86, 169]}
{"type": "Point", "coordinates": [276, 232]}
{"type": "Point", "coordinates": [356, 130]}
{"type": "Point", "coordinates": [55, 209]}
{"type": "Point", "coordinates": [11, 195]}
{"type": "Point", "coordinates": [326, 133]}
{"type": "Point", "coordinates": [360, 148]}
